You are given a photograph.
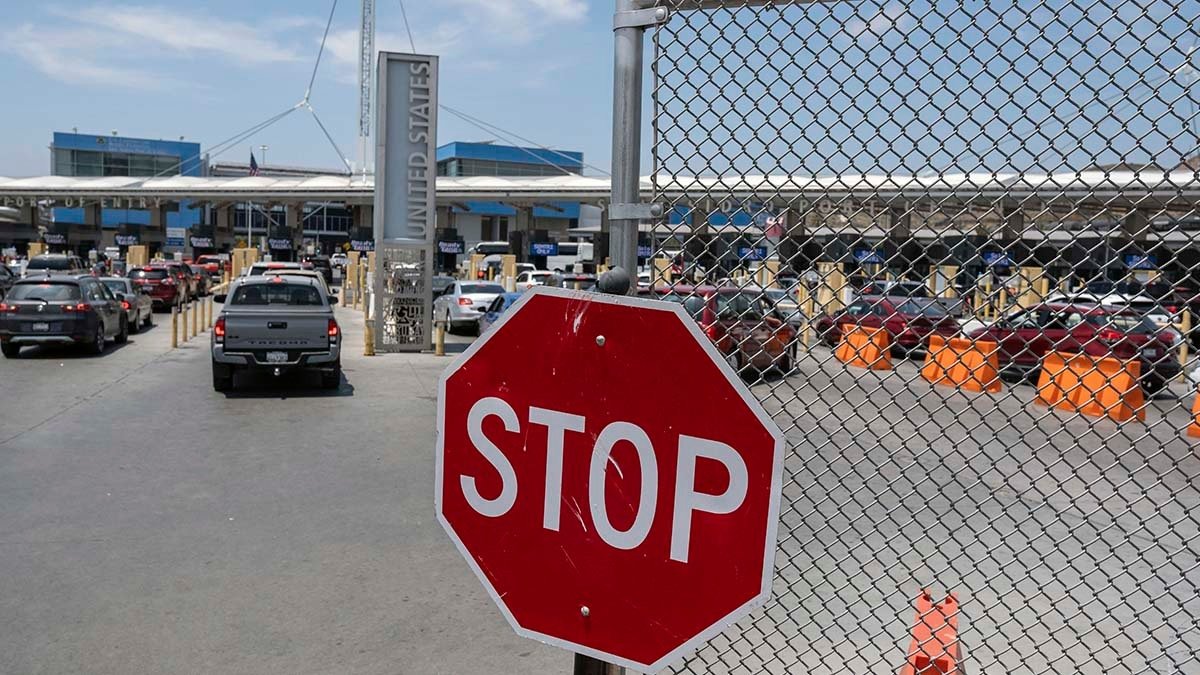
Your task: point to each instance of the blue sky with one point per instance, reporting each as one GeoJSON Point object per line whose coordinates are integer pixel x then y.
{"type": "Point", "coordinates": [207, 70]}
{"type": "Point", "coordinates": [913, 87]}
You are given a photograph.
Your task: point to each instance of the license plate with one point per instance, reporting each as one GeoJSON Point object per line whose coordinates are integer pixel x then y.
{"type": "Point", "coordinates": [277, 357]}
{"type": "Point", "coordinates": [41, 327]}
{"type": "Point", "coordinates": [1151, 353]}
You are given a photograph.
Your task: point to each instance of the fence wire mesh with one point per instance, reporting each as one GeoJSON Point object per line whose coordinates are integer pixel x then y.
{"type": "Point", "coordinates": [954, 248]}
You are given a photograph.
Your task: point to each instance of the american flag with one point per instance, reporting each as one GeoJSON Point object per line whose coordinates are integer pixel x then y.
{"type": "Point", "coordinates": [253, 165]}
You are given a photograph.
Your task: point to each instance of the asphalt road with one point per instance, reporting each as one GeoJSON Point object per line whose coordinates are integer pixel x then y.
{"type": "Point", "coordinates": [148, 524]}
{"type": "Point", "coordinates": [151, 525]}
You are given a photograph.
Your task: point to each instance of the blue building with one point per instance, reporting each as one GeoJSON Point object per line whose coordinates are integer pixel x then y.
{"type": "Point", "coordinates": [122, 223]}
{"type": "Point", "coordinates": [491, 221]}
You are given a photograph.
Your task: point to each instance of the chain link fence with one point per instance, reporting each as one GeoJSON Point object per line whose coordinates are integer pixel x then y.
{"type": "Point", "coordinates": [954, 247]}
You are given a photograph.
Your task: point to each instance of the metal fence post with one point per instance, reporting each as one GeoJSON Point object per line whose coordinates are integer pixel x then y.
{"type": "Point", "coordinates": [628, 50]}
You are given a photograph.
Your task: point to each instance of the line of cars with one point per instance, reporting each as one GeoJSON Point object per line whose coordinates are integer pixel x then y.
{"type": "Point", "coordinates": [59, 302]}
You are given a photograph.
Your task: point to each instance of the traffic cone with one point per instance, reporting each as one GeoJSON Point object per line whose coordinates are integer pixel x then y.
{"type": "Point", "coordinates": [934, 649]}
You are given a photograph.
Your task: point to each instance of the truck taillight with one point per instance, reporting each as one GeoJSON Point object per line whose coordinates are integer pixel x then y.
{"type": "Point", "coordinates": [219, 331]}
{"type": "Point", "coordinates": [334, 330]}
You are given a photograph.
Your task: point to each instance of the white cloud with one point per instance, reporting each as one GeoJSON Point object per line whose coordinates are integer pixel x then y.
{"type": "Point", "coordinates": [342, 46]}
{"type": "Point", "coordinates": [518, 20]}
{"type": "Point", "coordinates": [892, 17]}
{"type": "Point", "coordinates": [186, 33]}
{"type": "Point", "coordinates": [70, 58]}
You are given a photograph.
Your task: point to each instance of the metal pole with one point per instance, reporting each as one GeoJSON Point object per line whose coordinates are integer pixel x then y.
{"type": "Point", "coordinates": [627, 138]}
{"type": "Point", "coordinates": [586, 665]}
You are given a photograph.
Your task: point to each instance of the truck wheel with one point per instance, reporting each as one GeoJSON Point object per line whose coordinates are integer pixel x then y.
{"type": "Point", "coordinates": [332, 379]}
{"type": "Point", "coordinates": [11, 350]}
{"type": "Point", "coordinates": [222, 377]}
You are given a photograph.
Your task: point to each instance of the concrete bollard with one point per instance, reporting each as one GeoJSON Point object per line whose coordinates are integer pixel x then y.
{"type": "Point", "coordinates": [345, 294]}
{"type": "Point", "coordinates": [1186, 328]}
{"type": "Point", "coordinates": [369, 337]}
{"type": "Point", "coordinates": [211, 304]}
{"type": "Point", "coordinates": [183, 318]}
{"type": "Point", "coordinates": [439, 338]}
{"type": "Point", "coordinates": [174, 326]}
{"type": "Point", "coordinates": [195, 318]}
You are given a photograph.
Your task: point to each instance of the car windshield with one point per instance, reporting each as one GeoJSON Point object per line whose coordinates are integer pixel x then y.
{"type": "Point", "coordinates": [49, 264]}
{"type": "Point", "coordinates": [915, 308]}
{"type": "Point", "coordinates": [276, 293]}
{"type": "Point", "coordinates": [481, 288]}
{"type": "Point", "coordinates": [116, 285]}
{"type": "Point", "coordinates": [148, 274]}
{"type": "Point", "coordinates": [740, 306]}
{"type": "Point", "coordinates": [50, 292]}
{"type": "Point", "coordinates": [1127, 322]}
{"type": "Point", "coordinates": [692, 304]}
{"type": "Point", "coordinates": [440, 283]}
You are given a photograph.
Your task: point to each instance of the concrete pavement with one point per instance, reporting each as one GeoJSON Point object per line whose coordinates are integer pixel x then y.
{"type": "Point", "coordinates": [150, 525]}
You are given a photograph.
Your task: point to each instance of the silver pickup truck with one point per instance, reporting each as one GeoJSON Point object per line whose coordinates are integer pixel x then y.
{"type": "Point", "coordinates": [276, 324]}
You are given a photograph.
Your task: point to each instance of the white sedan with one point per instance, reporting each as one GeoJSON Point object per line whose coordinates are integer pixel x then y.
{"type": "Point", "coordinates": [528, 279]}
{"type": "Point", "coordinates": [463, 303]}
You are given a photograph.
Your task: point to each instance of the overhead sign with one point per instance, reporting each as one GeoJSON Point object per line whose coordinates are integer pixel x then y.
{"type": "Point", "coordinates": [597, 519]}
{"type": "Point", "coordinates": [645, 251]}
{"type": "Point", "coordinates": [405, 147]}
{"type": "Point", "coordinates": [451, 246]}
{"type": "Point", "coordinates": [176, 236]}
{"type": "Point", "coordinates": [996, 259]}
{"type": "Point", "coordinates": [543, 248]}
{"type": "Point", "coordinates": [126, 239]}
{"type": "Point", "coordinates": [752, 252]}
{"type": "Point", "coordinates": [1138, 261]}
{"type": "Point", "coordinates": [202, 242]}
{"type": "Point", "coordinates": [866, 256]}
{"type": "Point", "coordinates": [279, 244]}
{"type": "Point", "coordinates": [362, 245]}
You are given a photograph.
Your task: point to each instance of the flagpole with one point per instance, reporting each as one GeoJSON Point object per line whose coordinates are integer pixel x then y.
{"type": "Point", "coordinates": [249, 214]}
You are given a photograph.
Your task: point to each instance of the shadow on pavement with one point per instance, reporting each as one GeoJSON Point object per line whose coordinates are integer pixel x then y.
{"type": "Point", "coordinates": [298, 384]}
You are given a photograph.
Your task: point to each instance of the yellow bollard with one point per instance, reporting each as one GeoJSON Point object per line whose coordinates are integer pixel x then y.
{"type": "Point", "coordinates": [439, 338]}
{"type": "Point", "coordinates": [211, 304]}
{"type": "Point", "coordinates": [174, 326]}
{"type": "Point", "coordinates": [344, 293]}
{"type": "Point", "coordinates": [1186, 328]}
{"type": "Point", "coordinates": [369, 338]}
{"type": "Point", "coordinates": [195, 318]}
{"type": "Point", "coordinates": [183, 320]}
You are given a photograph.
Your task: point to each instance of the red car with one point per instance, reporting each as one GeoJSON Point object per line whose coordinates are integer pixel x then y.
{"type": "Point", "coordinates": [908, 321]}
{"type": "Point", "coordinates": [213, 264]}
{"type": "Point", "coordinates": [164, 286]}
{"type": "Point", "coordinates": [1025, 337]}
{"type": "Point", "coordinates": [740, 323]}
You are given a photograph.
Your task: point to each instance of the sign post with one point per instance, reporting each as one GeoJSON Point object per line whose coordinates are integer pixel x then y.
{"type": "Point", "coordinates": [600, 522]}
{"type": "Point", "coordinates": [404, 215]}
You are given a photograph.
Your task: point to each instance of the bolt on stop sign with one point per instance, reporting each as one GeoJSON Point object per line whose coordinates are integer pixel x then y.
{"type": "Point", "coordinates": [608, 477]}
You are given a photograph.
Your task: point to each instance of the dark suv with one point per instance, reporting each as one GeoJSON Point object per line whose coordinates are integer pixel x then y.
{"type": "Point", "coordinates": [60, 310]}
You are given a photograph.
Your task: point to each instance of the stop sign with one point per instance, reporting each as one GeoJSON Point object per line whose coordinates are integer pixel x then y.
{"type": "Point", "coordinates": [608, 477]}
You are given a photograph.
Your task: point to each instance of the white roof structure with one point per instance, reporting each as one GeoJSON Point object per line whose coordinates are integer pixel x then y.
{"type": "Point", "coordinates": [1179, 188]}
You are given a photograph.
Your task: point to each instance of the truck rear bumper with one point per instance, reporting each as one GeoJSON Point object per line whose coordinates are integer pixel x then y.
{"type": "Point", "coordinates": [323, 360]}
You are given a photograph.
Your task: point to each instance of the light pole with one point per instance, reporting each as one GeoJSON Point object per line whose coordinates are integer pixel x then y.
{"type": "Point", "coordinates": [264, 154]}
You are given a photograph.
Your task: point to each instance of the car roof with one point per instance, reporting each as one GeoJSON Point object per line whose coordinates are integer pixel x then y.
{"type": "Point", "coordinates": [56, 277]}
{"type": "Point", "coordinates": [304, 279]}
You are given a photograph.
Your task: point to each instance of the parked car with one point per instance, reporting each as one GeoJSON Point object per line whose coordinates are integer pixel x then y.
{"type": "Point", "coordinates": [135, 300]}
{"type": "Point", "coordinates": [183, 278]}
{"type": "Point", "coordinates": [213, 263]}
{"type": "Point", "coordinates": [260, 268]}
{"type": "Point", "coordinates": [440, 283]}
{"type": "Point", "coordinates": [906, 289]}
{"type": "Point", "coordinates": [55, 263]}
{"type": "Point", "coordinates": [528, 279]}
{"type": "Point", "coordinates": [1025, 337]}
{"type": "Point", "coordinates": [321, 264]}
{"type": "Point", "coordinates": [7, 279]}
{"type": "Point", "coordinates": [785, 303]}
{"type": "Point", "coordinates": [1142, 304]}
{"type": "Point", "coordinates": [276, 324]}
{"type": "Point", "coordinates": [745, 329]}
{"type": "Point", "coordinates": [463, 302]}
{"type": "Point", "coordinates": [160, 283]}
{"type": "Point", "coordinates": [494, 310]}
{"type": "Point", "coordinates": [58, 310]}
{"type": "Point", "coordinates": [909, 321]}
{"type": "Point", "coordinates": [339, 260]}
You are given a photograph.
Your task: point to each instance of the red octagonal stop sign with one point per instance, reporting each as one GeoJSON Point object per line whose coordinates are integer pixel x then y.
{"type": "Point", "coordinates": [608, 477]}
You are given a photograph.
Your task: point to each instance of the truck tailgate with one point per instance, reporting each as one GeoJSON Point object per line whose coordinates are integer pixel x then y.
{"type": "Point", "coordinates": [290, 329]}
